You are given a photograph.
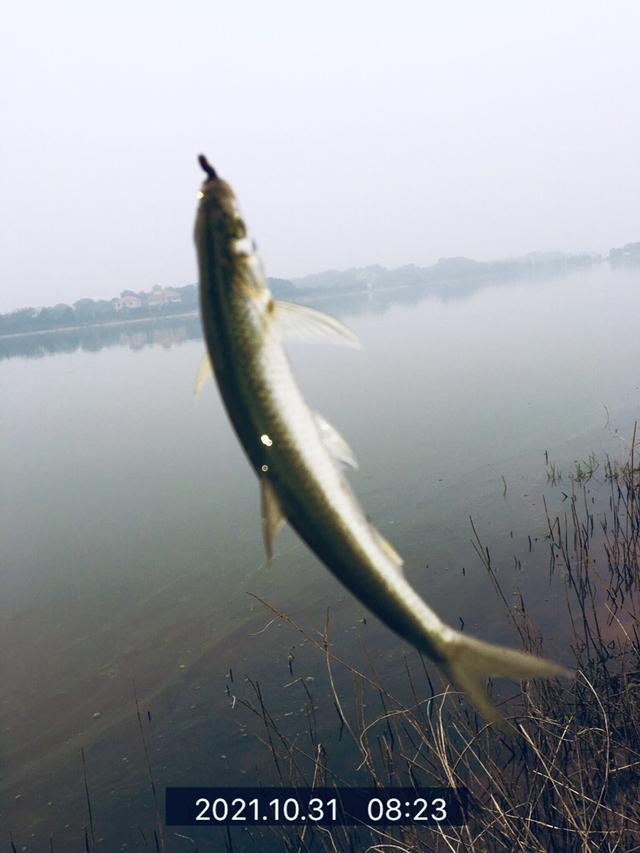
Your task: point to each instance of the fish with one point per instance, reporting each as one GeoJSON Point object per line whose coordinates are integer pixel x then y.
{"type": "Point", "coordinates": [300, 458]}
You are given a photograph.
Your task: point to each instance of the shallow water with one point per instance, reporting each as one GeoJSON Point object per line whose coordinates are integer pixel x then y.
{"type": "Point", "coordinates": [130, 525]}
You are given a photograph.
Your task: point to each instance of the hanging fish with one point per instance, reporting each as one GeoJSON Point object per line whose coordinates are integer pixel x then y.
{"type": "Point", "coordinates": [299, 457]}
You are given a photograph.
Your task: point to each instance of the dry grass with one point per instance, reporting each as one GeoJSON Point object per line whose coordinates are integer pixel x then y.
{"type": "Point", "coordinates": [566, 779]}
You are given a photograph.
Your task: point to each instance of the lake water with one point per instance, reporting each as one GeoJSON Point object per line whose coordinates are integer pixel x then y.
{"type": "Point", "coordinates": [131, 535]}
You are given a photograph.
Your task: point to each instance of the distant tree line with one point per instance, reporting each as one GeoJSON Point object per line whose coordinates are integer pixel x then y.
{"type": "Point", "coordinates": [628, 255]}
{"type": "Point", "coordinates": [173, 301]}
{"type": "Point", "coordinates": [130, 305]}
{"type": "Point", "coordinates": [458, 270]}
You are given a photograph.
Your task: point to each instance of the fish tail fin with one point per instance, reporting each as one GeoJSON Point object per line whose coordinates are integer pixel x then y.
{"type": "Point", "coordinates": [469, 662]}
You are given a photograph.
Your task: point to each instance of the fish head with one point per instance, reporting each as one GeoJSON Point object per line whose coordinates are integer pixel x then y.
{"type": "Point", "coordinates": [221, 231]}
{"type": "Point", "coordinates": [218, 201]}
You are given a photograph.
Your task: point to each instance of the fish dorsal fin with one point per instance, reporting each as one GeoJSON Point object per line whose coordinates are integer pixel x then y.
{"type": "Point", "coordinates": [272, 516]}
{"type": "Point", "coordinates": [335, 444]}
{"type": "Point", "coordinates": [205, 370]}
{"type": "Point", "coordinates": [388, 549]}
{"type": "Point", "coordinates": [303, 323]}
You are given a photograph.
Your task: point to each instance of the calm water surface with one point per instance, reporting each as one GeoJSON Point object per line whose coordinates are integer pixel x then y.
{"type": "Point", "coordinates": [131, 534]}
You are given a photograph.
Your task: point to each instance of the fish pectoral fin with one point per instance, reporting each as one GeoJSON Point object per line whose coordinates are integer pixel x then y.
{"type": "Point", "coordinates": [205, 370]}
{"type": "Point", "coordinates": [334, 443]}
{"type": "Point", "coordinates": [272, 516]}
{"type": "Point", "coordinates": [304, 323]}
{"type": "Point", "coordinates": [388, 549]}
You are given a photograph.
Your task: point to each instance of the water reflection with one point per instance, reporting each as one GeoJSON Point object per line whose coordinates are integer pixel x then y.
{"type": "Point", "coordinates": [167, 332]}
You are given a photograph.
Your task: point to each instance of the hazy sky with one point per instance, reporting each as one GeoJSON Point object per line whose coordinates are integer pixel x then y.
{"type": "Point", "coordinates": [353, 133]}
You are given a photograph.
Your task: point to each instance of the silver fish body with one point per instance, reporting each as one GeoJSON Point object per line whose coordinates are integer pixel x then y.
{"type": "Point", "coordinates": [286, 443]}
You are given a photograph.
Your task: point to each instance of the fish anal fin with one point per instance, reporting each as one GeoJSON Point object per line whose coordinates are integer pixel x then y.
{"type": "Point", "coordinates": [272, 516]}
{"type": "Point", "coordinates": [304, 323]}
{"type": "Point", "coordinates": [205, 370]}
{"type": "Point", "coordinates": [335, 444]}
{"type": "Point", "coordinates": [388, 549]}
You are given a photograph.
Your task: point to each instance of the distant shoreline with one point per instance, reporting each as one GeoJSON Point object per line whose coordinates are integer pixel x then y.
{"type": "Point", "coordinates": [131, 322]}
{"type": "Point", "coordinates": [311, 295]}
{"type": "Point", "coordinates": [305, 296]}
{"type": "Point", "coordinates": [318, 287]}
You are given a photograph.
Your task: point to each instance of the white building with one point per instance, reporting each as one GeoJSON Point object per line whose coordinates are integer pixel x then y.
{"type": "Point", "coordinates": [127, 301]}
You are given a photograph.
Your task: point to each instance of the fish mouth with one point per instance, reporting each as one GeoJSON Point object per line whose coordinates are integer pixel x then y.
{"type": "Point", "coordinates": [208, 168]}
